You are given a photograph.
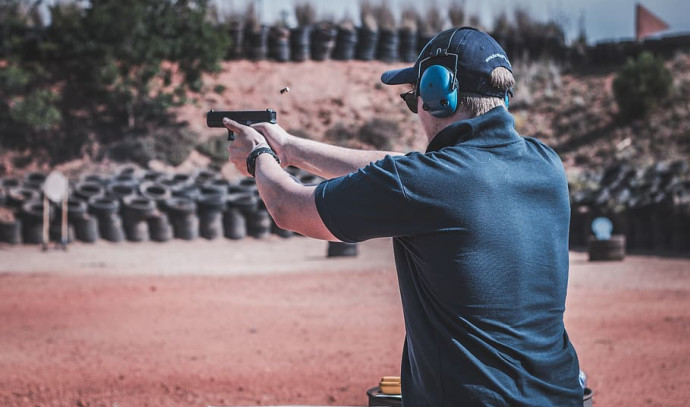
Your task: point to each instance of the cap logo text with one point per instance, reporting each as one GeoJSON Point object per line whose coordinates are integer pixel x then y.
{"type": "Point", "coordinates": [490, 57]}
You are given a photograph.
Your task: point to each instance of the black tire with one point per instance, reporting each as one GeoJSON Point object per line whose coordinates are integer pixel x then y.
{"type": "Point", "coordinates": [603, 250]}
{"type": "Point", "coordinates": [35, 180]}
{"type": "Point", "coordinates": [249, 184]}
{"type": "Point", "coordinates": [211, 199]}
{"type": "Point", "coordinates": [221, 183]}
{"type": "Point", "coordinates": [211, 225]}
{"type": "Point", "coordinates": [32, 211]}
{"type": "Point", "coordinates": [388, 46]}
{"type": "Point", "coordinates": [179, 207]}
{"type": "Point", "coordinates": [182, 180]}
{"type": "Point", "coordinates": [237, 188]}
{"type": "Point", "coordinates": [86, 229]}
{"type": "Point", "coordinates": [10, 183]}
{"type": "Point", "coordinates": [246, 202]}
{"type": "Point", "coordinates": [323, 41]}
{"type": "Point", "coordinates": [160, 229]}
{"type": "Point", "coordinates": [110, 228]}
{"type": "Point", "coordinates": [366, 44]}
{"type": "Point", "coordinates": [17, 197]}
{"type": "Point", "coordinates": [76, 209]}
{"type": "Point", "coordinates": [155, 191]}
{"type": "Point", "coordinates": [93, 179]}
{"type": "Point", "coordinates": [259, 224]}
{"type": "Point", "coordinates": [11, 231]}
{"type": "Point", "coordinates": [234, 224]}
{"type": "Point", "coordinates": [32, 232]}
{"type": "Point", "coordinates": [152, 176]}
{"type": "Point", "coordinates": [136, 231]}
{"type": "Point", "coordinates": [125, 178]}
{"type": "Point", "coordinates": [204, 177]}
{"type": "Point", "coordinates": [189, 192]}
{"type": "Point", "coordinates": [186, 227]}
{"type": "Point", "coordinates": [138, 208]}
{"type": "Point", "coordinates": [346, 44]}
{"type": "Point", "coordinates": [341, 249]}
{"type": "Point", "coordinates": [102, 206]}
{"type": "Point", "coordinates": [122, 190]}
{"type": "Point", "coordinates": [408, 45]}
{"type": "Point", "coordinates": [87, 190]}
{"type": "Point", "coordinates": [32, 222]}
{"type": "Point", "coordinates": [300, 48]}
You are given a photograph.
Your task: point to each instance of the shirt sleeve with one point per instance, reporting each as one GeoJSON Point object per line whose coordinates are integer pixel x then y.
{"type": "Point", "coordinates": [369, 203]}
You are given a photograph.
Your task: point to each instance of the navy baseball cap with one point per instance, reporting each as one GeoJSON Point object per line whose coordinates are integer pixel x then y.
{"type": "Point", "coordinates": [478, 54]}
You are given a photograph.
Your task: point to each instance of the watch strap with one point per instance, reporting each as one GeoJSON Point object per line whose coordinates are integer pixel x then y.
{"type": "Point", "coordinates": [251, 158]}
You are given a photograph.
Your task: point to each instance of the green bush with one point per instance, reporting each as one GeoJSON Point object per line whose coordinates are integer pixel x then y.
{"type": "Point", "coordinates": [641, 85]}
{"type": "Point", "coordinates": [38, 110]}
{"type": "Point", "coordinates": [88, 72]}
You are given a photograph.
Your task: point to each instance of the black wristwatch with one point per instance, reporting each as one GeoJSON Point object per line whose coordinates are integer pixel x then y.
{"type": "Point", "coordinates": [251, 158]}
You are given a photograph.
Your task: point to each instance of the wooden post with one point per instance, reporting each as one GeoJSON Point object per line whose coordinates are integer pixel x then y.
{"type": "Point", "coordinates": [46, 223]}
{"type": "Point", "coordinates": [65, 230]}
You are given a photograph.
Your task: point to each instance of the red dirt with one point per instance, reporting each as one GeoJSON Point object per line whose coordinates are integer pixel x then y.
{"type": "Point", "coordinates": [274, 322]}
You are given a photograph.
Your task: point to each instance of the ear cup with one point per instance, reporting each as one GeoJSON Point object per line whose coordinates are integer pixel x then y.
{"type": "Point", "coordinates": [438, 91]}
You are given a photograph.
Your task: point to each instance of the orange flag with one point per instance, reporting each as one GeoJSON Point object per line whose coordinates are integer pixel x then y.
{"type": "Point", "coordinates": [647, 23]}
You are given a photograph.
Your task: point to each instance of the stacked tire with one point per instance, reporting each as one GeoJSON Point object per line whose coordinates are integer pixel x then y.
{"type": "Point", "coordinates": [106, 210]}
{"type": "Point", "coordinates": [211, 203]}
{"type": "Point", "coordinates": [137, 208]}
{"type": "Point", "coordinates": [182, 213]}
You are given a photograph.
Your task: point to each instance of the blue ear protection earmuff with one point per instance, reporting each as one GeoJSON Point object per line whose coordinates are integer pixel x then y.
{"type": "Point", "coordinates": [438, 90]}
{"type": "Point", "coordinates": [437, 82]}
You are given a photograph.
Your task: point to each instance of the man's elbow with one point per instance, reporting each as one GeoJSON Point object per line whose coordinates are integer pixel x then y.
{"type": "Point", "coordinates": [280, 217]}
{"type": "Point", "coordinates": [284, 215]}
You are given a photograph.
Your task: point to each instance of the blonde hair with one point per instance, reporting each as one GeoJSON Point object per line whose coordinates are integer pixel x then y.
{"type": "Point", "coordinates": [476, 105]}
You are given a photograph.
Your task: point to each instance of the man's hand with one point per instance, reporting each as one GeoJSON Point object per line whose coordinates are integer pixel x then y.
{"type": "Point", "coordinates": [277, 138]}
{"type": "Point", "coordinates": [246, 140]}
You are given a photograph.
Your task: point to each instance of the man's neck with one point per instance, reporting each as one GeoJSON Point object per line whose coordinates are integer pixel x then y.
{"type": "Point", "coordinates": [432, 125]}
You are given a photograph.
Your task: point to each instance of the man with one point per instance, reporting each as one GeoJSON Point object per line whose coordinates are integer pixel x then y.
{"type": "Point", "coordinates": [479, 225]}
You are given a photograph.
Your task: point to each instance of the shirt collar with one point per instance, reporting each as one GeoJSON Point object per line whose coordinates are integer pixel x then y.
{"type": "Point", "coordinates": [494, 128]}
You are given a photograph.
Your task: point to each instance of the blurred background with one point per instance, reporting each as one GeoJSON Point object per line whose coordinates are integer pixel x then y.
{"type": "Point", "coordinates": [89, 87]}
{"type": "Point", "coordinates": [178, 289]}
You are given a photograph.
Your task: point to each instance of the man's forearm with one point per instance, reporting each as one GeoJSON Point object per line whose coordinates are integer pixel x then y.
{"type": "Point", "coordinates": [290, 203]}
{"type": "Point", "coordinates": [329, 161]}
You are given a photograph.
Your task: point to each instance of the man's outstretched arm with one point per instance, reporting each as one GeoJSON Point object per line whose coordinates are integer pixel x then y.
{"type": "Point", "coordinates": [321, 159]}
{"type": "Point", "coordinates": [291, 204]}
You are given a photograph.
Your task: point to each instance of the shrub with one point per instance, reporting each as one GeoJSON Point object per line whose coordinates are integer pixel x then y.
{"type": "Point", "coordinates": [641, 85]}
{"type": "Point", "coordinates": [38, 110]}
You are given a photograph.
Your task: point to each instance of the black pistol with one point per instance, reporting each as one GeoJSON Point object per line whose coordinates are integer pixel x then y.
{"type": "Point", "coordinates": [248, 117]}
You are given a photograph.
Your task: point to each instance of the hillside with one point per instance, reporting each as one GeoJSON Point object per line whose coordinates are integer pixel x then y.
{"type": "Point", "coordinates": [575, 114]}
{"type": "Point", "coordinates": [332, 100]}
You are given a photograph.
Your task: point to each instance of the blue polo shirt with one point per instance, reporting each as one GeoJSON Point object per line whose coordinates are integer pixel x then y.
{"type": "Point", "coordinates": [480, 234]}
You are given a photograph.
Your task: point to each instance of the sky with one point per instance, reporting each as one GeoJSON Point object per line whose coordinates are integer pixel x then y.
{"type": "Point", "coordinates": [603, 19]}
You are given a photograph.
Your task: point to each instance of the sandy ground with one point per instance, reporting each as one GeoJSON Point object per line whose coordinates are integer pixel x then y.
{"type": "Point", "coordinates": [274, 322]}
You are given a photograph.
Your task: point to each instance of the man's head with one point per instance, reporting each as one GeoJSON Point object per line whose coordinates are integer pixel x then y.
{"type": "Point", "coordinates": [461, 72]}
